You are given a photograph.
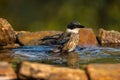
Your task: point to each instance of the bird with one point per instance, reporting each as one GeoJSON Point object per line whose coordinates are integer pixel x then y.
{"type": "Point", "coordinates": [70, 38]}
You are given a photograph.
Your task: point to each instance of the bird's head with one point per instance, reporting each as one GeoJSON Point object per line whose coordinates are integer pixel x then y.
{"type": "Point", "coordinates": [74, 27]}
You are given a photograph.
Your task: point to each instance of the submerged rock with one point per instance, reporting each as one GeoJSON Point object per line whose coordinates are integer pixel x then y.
{"type": "Point", "coordinates": [47, 72]}
{"type": "Point", "coordinates": [104, 71]}
{"type": "Point", "coordinates": [109, 38]}
{"type": "Point", "coordinates": [7, 34]}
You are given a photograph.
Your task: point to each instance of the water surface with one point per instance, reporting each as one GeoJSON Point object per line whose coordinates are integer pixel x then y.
{"type": "Point", "coordinates": [78, 58]}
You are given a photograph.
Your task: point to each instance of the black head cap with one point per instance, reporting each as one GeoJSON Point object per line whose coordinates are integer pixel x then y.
{"type": "Point", "coordinates": [74, 24]}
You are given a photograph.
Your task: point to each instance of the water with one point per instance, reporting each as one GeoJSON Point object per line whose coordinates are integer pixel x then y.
{"type": "Point", "coordinates": [75, 59]}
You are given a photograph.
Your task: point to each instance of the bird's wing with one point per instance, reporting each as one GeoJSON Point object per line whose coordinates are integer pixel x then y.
{"type": "Point", "coordinates": [64, 38]}
{"type": "Point", "coordinates": [48, 40]}
{"type": "Point", "coordinates": [56, 36]}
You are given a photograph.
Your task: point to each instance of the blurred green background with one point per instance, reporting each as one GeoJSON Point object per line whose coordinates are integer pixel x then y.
{"type": "Point", "coordinates": [38, 15]}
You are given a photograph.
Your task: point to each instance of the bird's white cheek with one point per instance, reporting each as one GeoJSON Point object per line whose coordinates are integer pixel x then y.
{"type": "Point", "coordinates": [73, 30]}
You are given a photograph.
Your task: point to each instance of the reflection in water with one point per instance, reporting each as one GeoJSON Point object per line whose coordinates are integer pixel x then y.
{"type": "Point", "coordinates": [72, 59]}
{"type": "Point", "coordinates": [6, 55]}
{"type": "Point", "coordinates": [99, 55]}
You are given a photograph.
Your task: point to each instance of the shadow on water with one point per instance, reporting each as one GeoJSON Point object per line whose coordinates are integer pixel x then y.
{"type": "Point", "coordinates": [77, 59]}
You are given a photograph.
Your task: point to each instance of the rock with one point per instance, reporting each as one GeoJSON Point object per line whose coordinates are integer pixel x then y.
{"type": "Point", "coordinates": [6, 71]}
{"type": "Point", "coordinates": [104, 71]}
{"type": "Point", "coordinates": [87, 38]}
{"type": "Point", "coordinates": [10, 46]}
{"type": "Point", "coordinates": [7, 34]}
{"type": "Point", "coordinates": [109, 38]}
{"type": "Point", "coordinates": [32, 38]}
{"type": "Point", "coordinates": [47, 72]}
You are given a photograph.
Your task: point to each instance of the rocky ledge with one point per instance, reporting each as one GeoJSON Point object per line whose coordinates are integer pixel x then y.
{"type": "Point", "coordinates": [37, 71]}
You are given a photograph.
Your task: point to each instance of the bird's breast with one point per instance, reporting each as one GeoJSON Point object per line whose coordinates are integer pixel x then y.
{"type": "Point", "coordinates": [71, 44]}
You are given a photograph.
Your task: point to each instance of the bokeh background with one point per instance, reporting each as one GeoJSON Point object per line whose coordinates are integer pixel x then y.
{"type": "Point", "coordinates": [39, 15]}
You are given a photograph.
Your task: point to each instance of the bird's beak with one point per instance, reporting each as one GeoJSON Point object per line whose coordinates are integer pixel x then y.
{"type": "Point", "coordinates": [81, 26]}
